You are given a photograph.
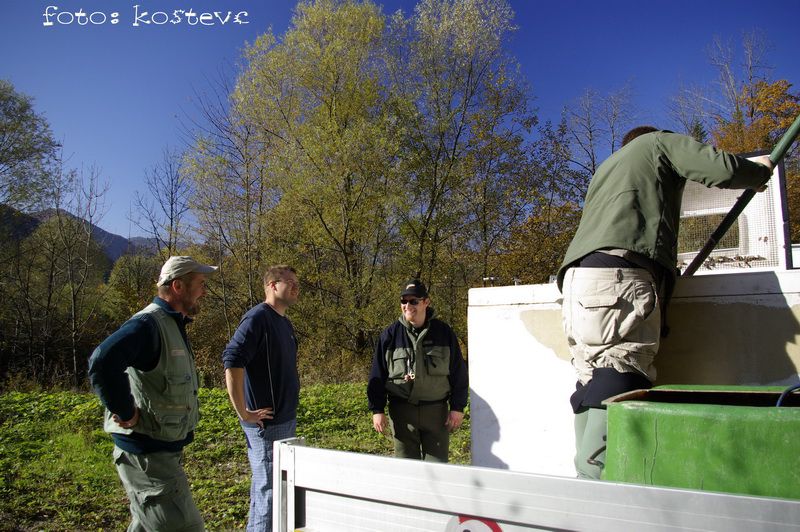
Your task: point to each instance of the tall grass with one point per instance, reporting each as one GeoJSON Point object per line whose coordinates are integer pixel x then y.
{"type": "Point", "coordinates": [55, 460]}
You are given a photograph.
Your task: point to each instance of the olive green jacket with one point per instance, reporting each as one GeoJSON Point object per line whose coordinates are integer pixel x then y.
{"type": "Point", "coordinates": [634, 198]}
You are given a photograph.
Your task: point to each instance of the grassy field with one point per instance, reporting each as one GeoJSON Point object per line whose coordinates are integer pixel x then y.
{"type": "Point", "coordinates": [55, 460]}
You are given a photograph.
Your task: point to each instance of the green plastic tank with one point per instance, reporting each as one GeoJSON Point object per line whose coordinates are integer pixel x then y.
{"type": "Point", "coordinates": [728, 439]}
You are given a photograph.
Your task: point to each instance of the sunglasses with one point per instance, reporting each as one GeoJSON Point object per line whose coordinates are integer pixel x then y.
{"type": "Point", "coordinates": [412, 302]}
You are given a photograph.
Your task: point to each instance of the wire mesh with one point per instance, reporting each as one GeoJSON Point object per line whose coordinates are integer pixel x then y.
{"type": "Point", "coordinates": [754, 241]}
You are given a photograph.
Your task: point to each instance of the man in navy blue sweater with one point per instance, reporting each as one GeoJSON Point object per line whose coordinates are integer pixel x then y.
{"type": "Point", "coordinates": [261, 375]}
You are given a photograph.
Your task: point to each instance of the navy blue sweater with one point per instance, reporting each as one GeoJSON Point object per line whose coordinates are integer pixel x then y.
{"type": "Point", "coordinates": [264, 345]}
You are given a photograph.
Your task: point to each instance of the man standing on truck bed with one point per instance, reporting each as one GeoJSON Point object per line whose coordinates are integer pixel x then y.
{"type": "Point", "coordinates": [419, 367]}
{"type": "Point", "coordinates": [620, 267]}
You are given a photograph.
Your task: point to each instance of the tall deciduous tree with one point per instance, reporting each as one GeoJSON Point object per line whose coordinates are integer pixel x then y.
{"type": "Point", "coordinates": [315, 100]}
{"type": "Point", "coordinates": [769, 109]}
{"type": "Point", "coordinates": [133, 280]}
{"type": "Point", "coordinates": [534, 249]}
{"type": "Point", "coordinates": [466, 170]}
{"type": "Point", "coordinates": [165, 204]}
{"type": "Point", "coordinates": [457, 95]}
{"type": "Point", "coordinates": [746, 110]}
{"type": "Point", "coordinates": [27, 149]}
{"type": "Point", "coordinates": [55, 292]}
{"type": "Point", "coordinates": [230, 168]}
{"type": "Point", "coordinates": [81, 262]}
{"type": "Point", "coordinates": [378, 150]}
{"type": "Point", "coordinates": [596, 124]}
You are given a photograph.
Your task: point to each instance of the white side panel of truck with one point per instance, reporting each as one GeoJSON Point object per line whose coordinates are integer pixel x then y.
{"type": "Point", "coordinates": [328, 491]}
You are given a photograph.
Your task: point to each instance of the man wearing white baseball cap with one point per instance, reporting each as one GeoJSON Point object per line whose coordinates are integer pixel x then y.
{"type": "Point", "coordinates": [145, 376]}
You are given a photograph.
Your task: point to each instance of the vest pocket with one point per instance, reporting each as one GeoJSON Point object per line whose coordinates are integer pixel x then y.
{"type": "Point", "coordinates": [397, 364]}
{"type": "Point", "coordinates": [172, 415]}
{"type": "Point", "coordinates": [172, 423]}
{"type": "Point", "coordinates": [437, 361]}
{"type": "Point", "coordinates": [178, 385]}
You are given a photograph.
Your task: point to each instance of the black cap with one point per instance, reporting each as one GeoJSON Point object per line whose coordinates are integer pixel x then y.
{"type": "Point", "coordinates": [415, 288]}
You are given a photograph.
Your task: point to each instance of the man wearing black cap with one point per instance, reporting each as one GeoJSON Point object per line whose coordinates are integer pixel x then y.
{"type": "Point", "coordinates": [418, 366]}
{"type": "Point", "coordinates": [146, 378]}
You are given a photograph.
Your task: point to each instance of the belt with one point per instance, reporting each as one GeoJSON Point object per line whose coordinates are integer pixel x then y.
{"type": "Point", "coordinates": [400, 400]}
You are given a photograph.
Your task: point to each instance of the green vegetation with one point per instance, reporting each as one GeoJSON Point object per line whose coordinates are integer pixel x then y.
{"type": "Point", "coordinates": [27, 149]}
{"type": "Point", "coordinates": [55, 460]}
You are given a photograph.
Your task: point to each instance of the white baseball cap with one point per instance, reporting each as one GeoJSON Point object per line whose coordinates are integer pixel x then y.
{"type": "Point", "coordinates": [179, 266]}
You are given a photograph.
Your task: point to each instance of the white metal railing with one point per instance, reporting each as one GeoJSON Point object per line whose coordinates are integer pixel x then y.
{"type": "Point", "coordinates": [323, 490]}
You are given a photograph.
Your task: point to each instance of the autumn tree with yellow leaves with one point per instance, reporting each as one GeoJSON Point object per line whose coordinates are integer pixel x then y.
{"type": "Point", "coordinates": [753, 111]}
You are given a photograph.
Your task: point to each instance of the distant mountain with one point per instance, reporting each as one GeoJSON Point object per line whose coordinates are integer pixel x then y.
{"type": "Point", "coordinates": [145, 244]}
{"type": "Point", "coordinates": [115, 246]}
{"type": "Point", "coordinates": [19, 225]}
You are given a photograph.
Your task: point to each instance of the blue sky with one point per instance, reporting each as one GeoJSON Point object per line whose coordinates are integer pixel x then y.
{"type": "Point", "coordinates": [117, 94]}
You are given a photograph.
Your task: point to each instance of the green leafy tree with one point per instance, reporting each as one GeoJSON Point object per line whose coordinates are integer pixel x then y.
{"type": "Point", "coordinates": [498, 192]}
{"type": "Point", "coordinates": [364, 151]}
{"type": "Point", "coordinates": [233, 193]}
{"type": "Point", "coordinates": [56, 301]}
{"type": "Point", "coordinates": [454, 83]}
{"type": "Point", "coordinates": [535, 248]}
{"type": "Point", "coordinates": [133, 282]}
{"type": "Point", "coordinates": [466, 174]}
{"type": "Point", "coordinates": [316, 97]}
{"type": "Point", "coordinates": [27, 149]}
{"type": "Point", "coordinates": [697, 131]}
{"type": "Point", "coordinates": [54, 288]}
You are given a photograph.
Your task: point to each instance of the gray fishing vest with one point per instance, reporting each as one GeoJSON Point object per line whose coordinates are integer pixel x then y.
{"type": "Point", "coordinates": [430, 366]}
{"type": "Point", "coordinates": [167, 394]}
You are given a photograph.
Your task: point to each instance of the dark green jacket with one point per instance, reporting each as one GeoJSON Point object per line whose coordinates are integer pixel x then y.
{"type": "Point", "coordinates": [634, 199]}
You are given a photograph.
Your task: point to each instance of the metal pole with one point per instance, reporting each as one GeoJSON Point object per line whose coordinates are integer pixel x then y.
{"type": "Point", "coordinates": [776, 156]}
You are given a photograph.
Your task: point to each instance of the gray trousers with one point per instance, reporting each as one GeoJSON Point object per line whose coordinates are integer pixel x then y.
{"type": "Point", "coordinates": [158, 491]}
{"type": "Point", "coordinates": [419, 431]}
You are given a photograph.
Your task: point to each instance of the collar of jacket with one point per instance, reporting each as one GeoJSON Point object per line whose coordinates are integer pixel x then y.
{"type": "Point", "coordinates": [174, 314]}
{"type": "Point", "coordinates": [409, 327]}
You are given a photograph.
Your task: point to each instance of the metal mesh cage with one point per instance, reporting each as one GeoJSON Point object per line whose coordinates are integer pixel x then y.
{"type": "Point", "coordinates": [756, 240]}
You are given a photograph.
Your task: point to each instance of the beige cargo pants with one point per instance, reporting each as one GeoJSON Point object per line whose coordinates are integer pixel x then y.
{"type": "Point", "coordinates": [612, 319]}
